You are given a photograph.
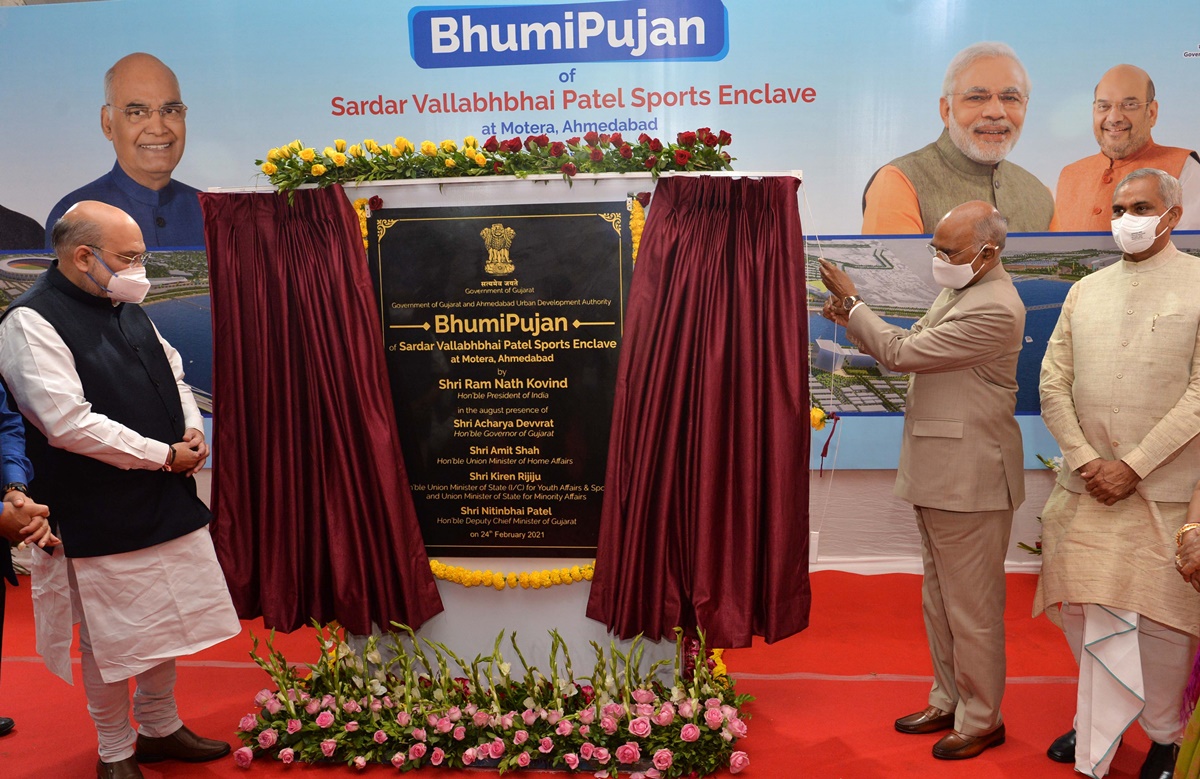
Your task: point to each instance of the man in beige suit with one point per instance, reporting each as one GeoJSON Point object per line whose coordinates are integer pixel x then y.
{"type": "Point", "coordinates": [961, 464]}
{"type": "Point", "coordinates": [1121, 394]}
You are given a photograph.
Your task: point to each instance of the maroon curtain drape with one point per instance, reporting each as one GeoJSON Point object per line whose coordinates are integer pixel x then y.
{"type": "Point", "coordinates": [705, 518]}
{"type": "Point", "coordinates": [313, 518]}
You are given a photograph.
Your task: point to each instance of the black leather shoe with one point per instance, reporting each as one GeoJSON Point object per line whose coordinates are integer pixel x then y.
{"type": "Point", "coordinates": [183, 745]}
{"type": "Point", "coordinates": [1063, 748]}
{"type": "Point", "coordinates": [6, 726]}
{"type": "Point", "coordinates": [929, 720]}
{"type": "Point", "coordinates": [122, 769]}
{"type": "Point", "coordinates": [1160, 761]}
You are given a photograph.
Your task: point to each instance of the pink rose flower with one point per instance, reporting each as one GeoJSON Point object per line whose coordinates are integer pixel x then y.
{"type": "Point", "coordinates": [712, 703]}
{"type": "Point", "coordinates": [497, 747]}
{"type": "Point", "coordinates": [437, 756]}
{"type": "Point", "coordinates": [328, 747]}
{"type": "Point", "coordinates": [737, 727]}
{"type": "Point", "coordinates": [397, 760]}
{"type": "Point", "coordinates": [529, 716]}
{"type": "Point", "coordinates": [587, 716]}
{"type": "Point", "coordinates": [586, 750]}
{"type": "Point", "coordinates": [324, 719]}
{"type": "Point", "coordinates": [728, 711]}
{"type": "Point", "coordinates": [506, 720]}
{"type": "Point", "coordinates": [418, 734]}
{"type": "Point", "coordinates": [468, 756]}
{"type": "Point", "coordinates": [376, 704]}
{"type": "Point", "coordinates": [416, 751]}
{"type": "Point", "coordinates": [713, 718]}
{"type": "Point", "coordinates": [459, 733]}
{"type": "Point", "coordinates": [520, 737]}
{"type": "Point", "coordinates": [379, 737]}
{"type": "Point", "coordinates": [643, 710]}
{"type": "Point", "coordinates": [351, 726]}
{"type": "Point", "coordinates": [248, 722]}
{"type": "Point", "coordinates": [360, 762]}
{"type": "Point", "coordinates": [689, 733]}
{"type": "Point", "coordinates": [432, 720]}
{"type": "Point", "coordinates": [600, 755]}
{"type": "Point", "coordinates": [262, 696]}
{"type": "Point", "coordinates": [608, 724]}
{"type": "Point", "coordinates": [643, 696]}
{"type": "Point", "coordinates": [726, 735]}
{"type": "Point", "coordinates": [350, 707]}
{"type": "Point", "coordinates": [287, 755]}
{"type": "Point", "coordinates": [666, 715]}
{"type": "Point", "coordinates": [572, 760]}
{"type": "Point", "coordinates": [480, 718]}
{"type": "Point", "coordinates": [585, 729]}
{"type": "Point", "coordinates": [563, 728]}
{"type": "Point", "coordinates": [444, 725]}
{"type": "Point", "coordinates": [738, 762]}
{"type": "Point", "coordinates": [523, 759]}
{"type": "Point", "coordinates": [243, 757]}
{"type": "Point", "coordinates": [328, 701]}
{"type": "Point", "coordinates": [663, 759]}
{"type": "Point", "coordinates": [313, 706]}
{"type": "Point", "coordinates": [553, 716]}
{"type": "Point", "coordinates": [294, 725]}
{"type": "Point", "coordinates": [629, 753]}
{"type": "Point", "coordinates": [687, 708]}
{"type": "Point", "coordinates": [640, 727]}
{"type": "Point", "coordinates": [267, 738]}
{"type": "Point", "coordinates": [273, 706]}
{"type": "Point", "coordinates": [546, 745]}
{"type": "Point", "coordinates": [403, 718]}
{"type": "Point", "coordinates": [615, 710]}
{"type": "Point", "coordinates": [454, 714]}
{"type": "Point", "coordinates": [652, 773]}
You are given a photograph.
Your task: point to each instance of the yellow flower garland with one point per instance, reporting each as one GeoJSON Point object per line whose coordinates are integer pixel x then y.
{"type": "Point", "coordinates": [525, 579]}
{"type": "Point", "coordinates": [637, 221]}
{"type": "Point", "coordinates": [360, 206]}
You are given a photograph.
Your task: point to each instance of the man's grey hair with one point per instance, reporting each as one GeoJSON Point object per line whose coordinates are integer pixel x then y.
{"type": "Point", "coordinates": [1168, 186]}
{"type": "Point", "coordinates": [71, 231]}
{"type": "Point", "coordinates": [976, 51]}
{"type": "Point", "coordinates": [992, 229]}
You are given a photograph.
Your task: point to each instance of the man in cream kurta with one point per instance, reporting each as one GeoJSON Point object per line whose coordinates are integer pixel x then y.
{"type": "Point", "coordinates": [1120, 393]}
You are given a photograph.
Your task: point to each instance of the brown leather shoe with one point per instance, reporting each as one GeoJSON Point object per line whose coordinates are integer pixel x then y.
{"type": "Point", "coordinates": [122, 769]}
{"type": "Point", "coordinates": [958, 746]}
{"type": "Point", "coordinates": [183, 745]}
{"type": "Point", "coordinates": [930, 720]}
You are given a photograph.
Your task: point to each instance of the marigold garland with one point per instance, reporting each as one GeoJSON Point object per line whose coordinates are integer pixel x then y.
{"type": "Point", "coordinates": [637, 222]}
{"type": "Point", "coordinates": [525, 579]}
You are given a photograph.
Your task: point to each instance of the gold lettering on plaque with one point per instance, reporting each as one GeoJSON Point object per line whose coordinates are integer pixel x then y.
{"type": "Point", "coordinates": [498, 239]}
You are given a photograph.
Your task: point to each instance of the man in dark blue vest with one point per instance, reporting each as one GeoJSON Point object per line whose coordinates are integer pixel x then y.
{"type": "Point", "coordinates": [22, 521]}
{"type": "Point", "coordinates": [115, 437]}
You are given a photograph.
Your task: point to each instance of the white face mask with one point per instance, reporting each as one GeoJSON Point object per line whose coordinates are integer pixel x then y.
{"type": "Point", "coordinates": [125, 286]}
{"type": "Point", "coordinates": [953, 276]}
{"type": "Point", "coordinates": [1135, 234]}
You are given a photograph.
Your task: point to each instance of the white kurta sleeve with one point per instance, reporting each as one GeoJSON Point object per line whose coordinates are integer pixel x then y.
{"type": "Point", "coordinates": [40, 373]}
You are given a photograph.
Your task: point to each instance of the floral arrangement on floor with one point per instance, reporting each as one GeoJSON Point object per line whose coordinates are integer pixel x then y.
{"type": "Point", "coordinates": [1055, 464]}
{"type": "Point", "coordinates": [414, 703]}
{"type": "Point", "coordinates": [294, 164]}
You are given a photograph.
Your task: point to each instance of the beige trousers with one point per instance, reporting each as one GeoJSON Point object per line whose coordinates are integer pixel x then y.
{"type": "Point", "coordinates": [962, 597]}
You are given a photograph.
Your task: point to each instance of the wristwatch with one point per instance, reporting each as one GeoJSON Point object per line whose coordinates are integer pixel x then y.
{"type": "Point", "coordinates": [15, 485]}
{"type": "Point", "coordinates": [850, 302]}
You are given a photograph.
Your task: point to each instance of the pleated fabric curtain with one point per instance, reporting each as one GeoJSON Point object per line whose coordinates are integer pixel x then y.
{"type": "Point", "coordinates": [313, 518]}
{"type": "Point", "coordinates": [705, 518]}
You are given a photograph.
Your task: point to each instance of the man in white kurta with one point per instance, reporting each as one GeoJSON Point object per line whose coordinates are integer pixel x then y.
{"type": "Point", "coordinates": [1120, 392]}
{"type": "Point", "coordinates": [143, 582]}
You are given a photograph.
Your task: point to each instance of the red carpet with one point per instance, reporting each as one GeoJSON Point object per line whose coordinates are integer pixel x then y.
{"type": "Point", "coordinates": [825, 698]}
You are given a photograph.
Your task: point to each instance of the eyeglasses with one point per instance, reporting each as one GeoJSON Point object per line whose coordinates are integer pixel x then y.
{"type": "Point", "coordinates": [137, 260]}
{"type": "Point", "coordinates": [979, 98]}
{"type": "Point", "coordinates": [136, 114]}
{"type": "Point", "coordinates": [936, 252]}
{"type": "Point", "coordinates": [1126, 106]}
